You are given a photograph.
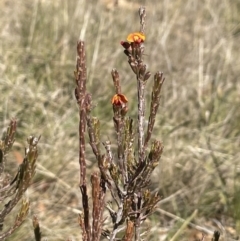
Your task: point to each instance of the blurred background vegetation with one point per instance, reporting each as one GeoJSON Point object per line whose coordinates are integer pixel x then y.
{"type": "Point", "coordinates": [195, 44]}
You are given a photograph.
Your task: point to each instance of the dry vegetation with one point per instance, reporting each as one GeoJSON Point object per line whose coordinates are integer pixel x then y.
{"type": "Point", "coordinates": [195, 44]}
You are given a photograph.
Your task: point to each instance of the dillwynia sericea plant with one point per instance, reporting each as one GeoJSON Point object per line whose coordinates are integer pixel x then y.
{"type": "Point", "coordinates": [126, 173]}
{"type": "Point", "coordinates": [12, 189]}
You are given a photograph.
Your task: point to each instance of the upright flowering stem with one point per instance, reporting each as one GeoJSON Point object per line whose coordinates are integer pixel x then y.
{"type": "Point", "coordinates": [83, 102]}
{"type": "Point", "coordinates": [134, 49]}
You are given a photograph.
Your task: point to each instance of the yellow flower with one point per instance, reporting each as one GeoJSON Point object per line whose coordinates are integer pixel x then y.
{"type": "Point", "coordinates": [136, 37]}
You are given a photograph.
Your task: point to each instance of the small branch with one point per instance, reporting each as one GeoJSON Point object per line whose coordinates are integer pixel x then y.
{"type": "Point", "coordinates": [98, 194]}
{"type": "Point", "coordinates": [7, 143]}
{"type": "Point", "coordinates": [83, 100]}
{"type": "Point", "coordinates": [9, 231]}
{"type": "Point", "coordinates": [155, 101]}
{"type": "Point", "coordinates": [141, 117]}
{"type": "Point", "coordinates": [36, 227]}
{"type": "Point", "coordinates": [9, 139]}
{"type": "Point", "coordinates": [23, 178]}
{"type": "Point", "coordinates": [129, 231]}
{"type": "Point", "coordinates": [93, 133]}
{"type": "Point", "coordinates": [116, 81]}
{"type": "Point", "coordinates": [142, 15]}
{"type": "Point", "coordinates": [21, 216]}
{"type": "Point", "coordinates": [80, 93]}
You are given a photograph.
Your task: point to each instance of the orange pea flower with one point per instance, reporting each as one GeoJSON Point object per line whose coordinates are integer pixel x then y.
{"type": "Point", "coordinates": [119, 100]}
{"type": "Point", "coordinates": [136, 37]}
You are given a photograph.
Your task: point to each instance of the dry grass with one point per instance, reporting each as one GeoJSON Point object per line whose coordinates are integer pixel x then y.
{"type": "Point", "coordinates": [195, 44]}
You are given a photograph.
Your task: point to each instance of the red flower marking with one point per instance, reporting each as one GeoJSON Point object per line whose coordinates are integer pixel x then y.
{"type": "Point", "coordinates": [125, 44]}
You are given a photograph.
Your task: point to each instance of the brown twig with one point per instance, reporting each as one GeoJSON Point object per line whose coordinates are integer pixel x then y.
{"type": "Point", "coordinates": [142, 15]}
{"type": "Point", "coordinates": [156, 90]}
{"type": "Point", "coordinates": [98, 194]}
{"type": "Point", "coordinates": [36, 227]}
{"type": "Point", "coordinates": [83, 103]}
